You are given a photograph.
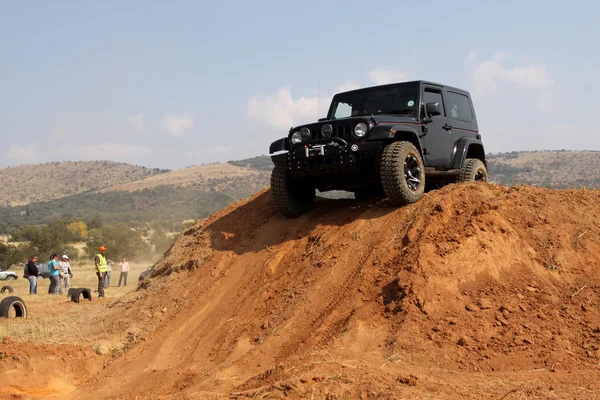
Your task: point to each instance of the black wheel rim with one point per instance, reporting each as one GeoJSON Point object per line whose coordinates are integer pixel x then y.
{"type": "Point", "coordinates": [479, 176]}
{"type": "Point", "coordinates": [412, 172]}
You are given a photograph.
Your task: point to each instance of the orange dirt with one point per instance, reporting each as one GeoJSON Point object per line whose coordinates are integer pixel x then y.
{"type": "Point", "coordinates": [476, 291]}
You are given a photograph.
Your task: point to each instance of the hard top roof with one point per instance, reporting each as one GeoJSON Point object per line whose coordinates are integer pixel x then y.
{"type": "Point", "coordinates": [408, 82]}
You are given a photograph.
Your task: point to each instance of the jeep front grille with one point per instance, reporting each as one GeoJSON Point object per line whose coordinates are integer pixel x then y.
{"type": "Point", "coordinates": [340, 131]}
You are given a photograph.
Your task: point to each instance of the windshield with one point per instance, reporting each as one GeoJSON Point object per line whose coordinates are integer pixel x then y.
{"type": "Point", "coordinates": [399, 99]}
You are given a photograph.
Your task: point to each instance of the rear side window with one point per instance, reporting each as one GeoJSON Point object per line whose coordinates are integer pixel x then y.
{"type": "Point", "coordinates": [460, 107]}
{"type": "Point", "coordinates": [434, 96]}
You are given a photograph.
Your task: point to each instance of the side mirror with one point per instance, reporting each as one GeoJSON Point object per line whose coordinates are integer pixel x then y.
{"type": "Point", "coordinates": [433, 109]}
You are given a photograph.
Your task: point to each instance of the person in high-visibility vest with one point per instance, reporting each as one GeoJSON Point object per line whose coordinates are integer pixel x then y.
{"type": "Point", "coordinates": [101, 269]}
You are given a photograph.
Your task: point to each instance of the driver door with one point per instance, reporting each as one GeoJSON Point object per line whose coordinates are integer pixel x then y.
{"type": "Point", "coordinates": [439, 140]}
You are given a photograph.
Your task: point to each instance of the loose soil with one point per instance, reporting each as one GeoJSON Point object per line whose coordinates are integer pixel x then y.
{"type": "Point", "coordinates": [476, 291]}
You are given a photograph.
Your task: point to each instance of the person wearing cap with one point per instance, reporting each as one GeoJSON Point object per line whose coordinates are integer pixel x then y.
{"type": "Point", "coordinates": [101, 269]}
{"type": "Point", "coordinates": [54, 269]}
{"type": "Point", "coordinates": [65, 267]}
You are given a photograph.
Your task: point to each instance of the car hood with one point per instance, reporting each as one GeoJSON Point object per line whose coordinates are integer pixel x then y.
{"type": "Point", "coordinates": [369, 119]}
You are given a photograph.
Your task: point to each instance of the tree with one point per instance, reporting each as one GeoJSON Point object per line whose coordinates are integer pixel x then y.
{"type": "Point", "coordinates": [78, 229]}
{"type": "Point", "coordinates": [120, 240]}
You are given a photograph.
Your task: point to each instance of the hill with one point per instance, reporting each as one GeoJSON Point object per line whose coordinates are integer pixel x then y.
{"type": "Point", "coordinates": [169, 197]}
{"type": "Point", "coordinates": [198, 191]}
{"type": "Point", "coordinates": [476, 291]}
{"type": "Point", "coordinates": [212, 177]}
{"type": "Point", "coordinates": [42, 182]}
{"type": "Point", "coordinates": [559, 169]}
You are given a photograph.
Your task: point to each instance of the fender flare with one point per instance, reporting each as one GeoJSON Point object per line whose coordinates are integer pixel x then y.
{"type": "Point", "coordinates": [461, 149]}
{"type": "Point", "coordinates": [396, 133]}
{"type": "Point", "coordinates": [282, 144]}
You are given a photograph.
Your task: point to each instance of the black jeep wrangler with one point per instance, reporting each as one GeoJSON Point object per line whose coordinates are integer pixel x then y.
{"type": "Point", "coordinates": [391, 140]}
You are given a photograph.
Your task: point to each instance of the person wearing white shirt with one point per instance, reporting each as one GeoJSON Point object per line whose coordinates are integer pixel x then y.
{"type": "Point", "coordinates": [124, 271]}
{"type": "Point", "coordinates": [65, 269]}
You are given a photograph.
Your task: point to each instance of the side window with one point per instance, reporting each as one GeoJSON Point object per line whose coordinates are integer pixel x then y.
{"type": "Point", "coordinates": [434, 96]}
{"type": "Point", "coordinates": [342, 110]}
{"type": "Point", "coordinates": [460, 107]}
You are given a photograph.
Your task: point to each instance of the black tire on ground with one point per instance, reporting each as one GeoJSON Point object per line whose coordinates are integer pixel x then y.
{"type": "Point", "coordinates": [13, 302]}
{"type": "Point", "coordinates": [86, 293]}
{"type": "Point", "coordinates": [290, 200]}
{"type": "Point", "coordinates": [402, 173]}
{"type": "Point", "coordinates": [75, 295]}
{"type": "Point", "coordinates": [11, 278]}
{"type": "Point", "coordinates": [40, 276]}
{"type": "Point", "coordinates": [6, 289]}
{"type": "Point", "coordinates": [473, 170]}
{"type": "Point", "coordinates": [70, 291]}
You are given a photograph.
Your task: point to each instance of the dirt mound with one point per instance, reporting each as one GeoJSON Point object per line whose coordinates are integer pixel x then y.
{"type": "Point", "coordinates": [50, 370]}
{"type": "Point", "coordinates": [475, 291]}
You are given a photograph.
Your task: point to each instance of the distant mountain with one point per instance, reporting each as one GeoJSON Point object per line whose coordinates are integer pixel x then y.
{"type": "Point", "coordinates": [557, 169]}
{"type": "Point", "coordinates": [170, 197]}
{"type": "Point", "coordinates": [110, 191]}
{"type": "Point", "coordinates": [209, 177]}
{"type": "Point", "coordinates": [41, 182]}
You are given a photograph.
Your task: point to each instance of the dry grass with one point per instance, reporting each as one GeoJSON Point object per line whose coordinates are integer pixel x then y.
{"type": "Point", "coordinates": [198, 175]}
{"type": "Point", "coordinates": [54, 319]}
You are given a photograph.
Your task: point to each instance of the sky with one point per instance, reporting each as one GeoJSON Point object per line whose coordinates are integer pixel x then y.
{"type": "Point", "coordinates": [182, 83]}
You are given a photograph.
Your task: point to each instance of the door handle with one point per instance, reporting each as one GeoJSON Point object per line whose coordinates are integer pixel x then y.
{"type": "Point", "coordinates": [447, 127]}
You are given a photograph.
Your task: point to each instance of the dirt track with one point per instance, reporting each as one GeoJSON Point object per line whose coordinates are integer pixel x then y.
{"type": "Point", "coordinates": [475, 291]}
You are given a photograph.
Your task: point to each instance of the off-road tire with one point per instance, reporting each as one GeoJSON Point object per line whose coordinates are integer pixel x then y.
{"type": "Point", "coordinates": [77, 293]}
{"type": "Point", "coordinates": [13, 302]}
{"type": "Point", "coordinates": [10, 278]}
{"type": "Point", "coordinates": [7, 288]}
{"type": "Point", "coordinates": [473, 170]}
{"type": "Point", "coordinates": [394, 178]}
{"type": "Point", "coordinates": [290, 201]}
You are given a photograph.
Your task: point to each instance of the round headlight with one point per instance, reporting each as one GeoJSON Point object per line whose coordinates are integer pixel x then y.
{"type": "Point", "coordinates": [360, 129]}
{"type": "Point", "coordinates": [305, 133]}
{"type": "Point", "coordinates": [296, 137]}
{"type": "Point", "coordinates": [327, 130]}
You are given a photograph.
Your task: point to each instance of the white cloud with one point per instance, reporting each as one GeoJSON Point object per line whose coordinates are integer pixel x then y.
{"type": "Point", "coordinates": [177, 125]}
{"type": "Point", "coordinates": [23, 154]}
{"type": "Point", "coordinates": [384, 76]}
{"type": "Point", "coordinates": [137, 122]}
{"type": "Point", "coordinates": [492, 75]}
{"type": "Point", "coordinates": [280, 110]}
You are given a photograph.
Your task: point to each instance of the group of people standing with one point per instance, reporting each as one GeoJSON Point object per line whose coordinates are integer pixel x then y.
{"type": "Point", "coordinates": [60, 274]}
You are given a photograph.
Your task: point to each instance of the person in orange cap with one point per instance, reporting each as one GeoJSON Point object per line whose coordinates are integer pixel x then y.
{"type": "Point", "coordinates": [101, 269]}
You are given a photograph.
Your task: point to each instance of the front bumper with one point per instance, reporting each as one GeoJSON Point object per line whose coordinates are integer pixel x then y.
{"type": "Point", "coordinates": [326, 156]}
